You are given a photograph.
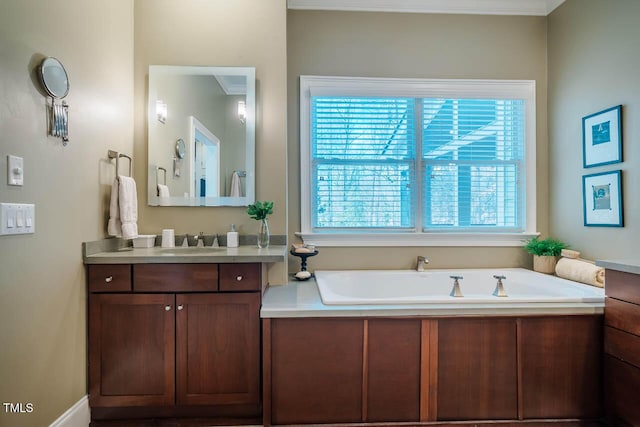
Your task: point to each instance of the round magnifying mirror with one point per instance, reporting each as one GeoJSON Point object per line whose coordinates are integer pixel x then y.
{"type": "Point", "coordinates": [54, 78]}
{"type": "Point", "coordinates": [180, 149]}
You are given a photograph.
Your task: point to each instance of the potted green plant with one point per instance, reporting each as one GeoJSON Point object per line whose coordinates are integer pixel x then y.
{"type": "Point", "coordinates": [259, 211]}
{"type": "Point", "coordinates": [545, 253]}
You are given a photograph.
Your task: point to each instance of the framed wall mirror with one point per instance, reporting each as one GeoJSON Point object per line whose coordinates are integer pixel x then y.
{"type": "Point", "coordinates": [212, 110]}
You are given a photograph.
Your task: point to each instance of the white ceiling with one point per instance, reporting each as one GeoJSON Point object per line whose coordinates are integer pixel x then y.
{"type": "Point", "coordinates": [476, 7]}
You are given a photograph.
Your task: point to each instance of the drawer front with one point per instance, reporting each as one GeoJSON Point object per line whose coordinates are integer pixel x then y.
{"type": "Point", "coordinates": [621, 391]}
{"type": "Point", "coordinates": [240, 277]}
{"type": "Point", "coordinates": [109, 278]}
{"type": "Point", "coordinates": [622, 345]}
{"type": "Point", "coordinates": [622, 315]}
{"type": "Point", "coordinates": [623, 286]}
{"type": "Point", "coordinates": [175, 277]}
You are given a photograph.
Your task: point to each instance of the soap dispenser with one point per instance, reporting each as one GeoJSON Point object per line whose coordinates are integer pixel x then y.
{"type": "Point", "coordinates": [232, 237]}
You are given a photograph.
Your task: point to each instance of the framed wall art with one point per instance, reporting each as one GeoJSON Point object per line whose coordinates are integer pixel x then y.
{"type": "Point", "coordinates": [602, 199]}
{"type": "Point", "coordinates": [602, 138]}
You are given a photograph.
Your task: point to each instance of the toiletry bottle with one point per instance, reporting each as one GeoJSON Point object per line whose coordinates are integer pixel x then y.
{"type": "Point", "coordinates": [232, 237]}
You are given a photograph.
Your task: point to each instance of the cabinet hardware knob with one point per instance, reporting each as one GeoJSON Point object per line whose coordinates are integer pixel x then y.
{"type": "Point", "coordinates": [167, 308]}
{"type": "Point", "coordinates": [108, 279]}
{"type": "Point", "coordinates": [180, 307]}
{"type": "Point", "coordinates": [239, 278]}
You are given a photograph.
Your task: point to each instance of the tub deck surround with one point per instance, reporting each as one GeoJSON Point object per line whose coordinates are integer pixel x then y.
{"type": "Point", "coordinates": [303, 299]}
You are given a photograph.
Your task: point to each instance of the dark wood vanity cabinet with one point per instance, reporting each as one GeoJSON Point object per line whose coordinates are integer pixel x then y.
{"type": "Point", "coordinates": [622, 348]}
{"type": "Point", "coordinates": [175, 340]}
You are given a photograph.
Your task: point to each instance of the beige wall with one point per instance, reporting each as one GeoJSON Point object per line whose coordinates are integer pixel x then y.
{"type": "Point", "coordinates": [224, 33]}
{"type": "Point", "coordinates": [416, 46]}
{"type": "Point", "coordinates": [42, 281]}
{"type": "Point", "coordinates": [593, 65]}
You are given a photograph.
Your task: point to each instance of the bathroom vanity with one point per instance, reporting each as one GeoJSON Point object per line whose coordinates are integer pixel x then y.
{"type": "Point", "coordinates": [176, 333]}
{"type": "Point", "coordinates": [622, 342]}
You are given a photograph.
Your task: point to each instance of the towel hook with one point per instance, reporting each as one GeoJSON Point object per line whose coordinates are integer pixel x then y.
{"type": "Point", "coordinates": [115, 155]}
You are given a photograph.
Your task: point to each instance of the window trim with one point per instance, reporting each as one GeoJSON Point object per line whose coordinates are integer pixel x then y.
{"type": "Point", "coordinates": [395, 87]}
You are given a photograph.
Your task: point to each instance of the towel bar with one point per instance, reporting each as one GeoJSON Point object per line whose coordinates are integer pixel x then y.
{"type": "Point", "coordinates": [165, 175]}
{"type": "Point", "coordinates": [241, 174]}
{"type": "Point", "coordinates": [115, 155]}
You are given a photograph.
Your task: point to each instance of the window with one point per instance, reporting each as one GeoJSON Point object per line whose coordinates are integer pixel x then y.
{"type": "Point", "coordinates": [404, 161]}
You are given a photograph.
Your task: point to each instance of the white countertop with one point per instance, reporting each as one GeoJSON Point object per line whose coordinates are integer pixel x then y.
{"type": "Point", "coordinates": [302, 299]}
{"type": "Point", "coordinates": [158, 255]}
{"type": "Point", "coordinates": [625, 265]}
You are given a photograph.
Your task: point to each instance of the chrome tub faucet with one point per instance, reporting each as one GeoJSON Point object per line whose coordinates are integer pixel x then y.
{"type": "Point", "coordinates": [422, 261]}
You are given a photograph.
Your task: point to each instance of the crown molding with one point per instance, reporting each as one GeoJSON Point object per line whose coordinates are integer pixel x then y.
{"type": "Point", "coordinates": [474, 7]}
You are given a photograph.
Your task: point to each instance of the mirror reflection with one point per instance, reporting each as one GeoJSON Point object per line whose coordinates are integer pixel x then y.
{"type": "Point", "coordinates": [201, 144]}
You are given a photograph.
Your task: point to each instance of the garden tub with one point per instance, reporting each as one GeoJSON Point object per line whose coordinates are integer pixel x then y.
{"type": "Point", "coordinates": [381, 287]}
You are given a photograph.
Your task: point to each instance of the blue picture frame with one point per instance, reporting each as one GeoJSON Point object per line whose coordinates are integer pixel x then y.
{"type": "Point", "coordinates": [602, 137]}
{"type": "Point", "coordinates": [602, 199]}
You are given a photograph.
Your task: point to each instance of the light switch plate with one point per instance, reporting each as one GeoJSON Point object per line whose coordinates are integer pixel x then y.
{"type": "Point", "coordinates": [15, 170]}
{"type": "Point", "coordinates": [17, 218]}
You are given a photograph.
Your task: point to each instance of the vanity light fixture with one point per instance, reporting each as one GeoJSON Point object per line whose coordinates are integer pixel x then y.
{"type": "Point", "coordinates": [242, 111]}
{"type": "Point", "coordinates": [161, 111]}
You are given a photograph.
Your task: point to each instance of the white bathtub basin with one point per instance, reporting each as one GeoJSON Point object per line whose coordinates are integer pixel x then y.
{"type": "Point", "coordinates": [355, 287]}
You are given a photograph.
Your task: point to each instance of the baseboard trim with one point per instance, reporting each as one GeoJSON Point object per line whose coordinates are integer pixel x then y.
{"type": "Point", "coordinates": [78, 415]}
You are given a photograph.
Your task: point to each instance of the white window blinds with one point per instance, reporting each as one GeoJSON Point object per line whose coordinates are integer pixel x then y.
{"type": "Point", "coordinates": [363, 152]}
{"type": "Point", "coordinates": [473, 152]}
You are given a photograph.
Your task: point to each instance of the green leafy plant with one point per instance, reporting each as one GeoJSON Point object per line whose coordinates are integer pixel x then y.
{"type": "Point", "coordinates": [545, 247]}
{"type": "Point", "coordinates": [260, 210]}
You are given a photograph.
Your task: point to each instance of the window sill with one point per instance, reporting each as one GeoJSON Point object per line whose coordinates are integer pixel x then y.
{"type": "Point", "coordinates": [416, 239]}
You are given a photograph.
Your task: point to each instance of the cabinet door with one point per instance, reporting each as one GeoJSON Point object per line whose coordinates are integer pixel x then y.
{"type": "Point", "coordinates": [393, 370]}
{"type": "Point", "coordinates": [477, 369]}
{"type": "Point", "coordinates": [131, 350]}
{"type": "Point", "coordinates": [218, 349]}
{"type": "Point", "coordinates": [561, 367]}
{"type": "Point", "coordinates": [316, 370]}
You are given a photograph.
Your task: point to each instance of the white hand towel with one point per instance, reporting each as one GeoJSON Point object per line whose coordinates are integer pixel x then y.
{"type": "Point", "coordinates": [236, 188]}
{"type": "Point", "coordinates": [163, 195]}
{"type": "Point", "coordinates": [114, 226]}
{"type": "Point", "coordinates": [163, 191]}
{"type": "Point", "coordinates": [128, 200]}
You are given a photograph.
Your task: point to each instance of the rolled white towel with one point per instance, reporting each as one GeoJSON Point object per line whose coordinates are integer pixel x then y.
{"type": "Point", "coordinates": [580, 271]}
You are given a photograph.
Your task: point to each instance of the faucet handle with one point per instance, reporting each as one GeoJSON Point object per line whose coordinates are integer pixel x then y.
{"type": "Point", "coordinates": [499, 291]}
{"type": "Point", "coordinates": [456, 292]}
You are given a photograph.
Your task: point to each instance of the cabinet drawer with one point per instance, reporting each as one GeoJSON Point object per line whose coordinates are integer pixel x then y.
{"type": "Point", "coordinates": [239, 277]}
{"type": "Point", "coordinates": [622, 315]}
{"type": "Point", "coordinates": [109, 278]}
{"type": "Point", "coordinates": [621, 391]}
{"type": "Point", "coordinates": [175, 277]}
{"type": "Point", "coordinates": [622, 345]}
{"type": "Point", "coordinates": [623, 286]}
